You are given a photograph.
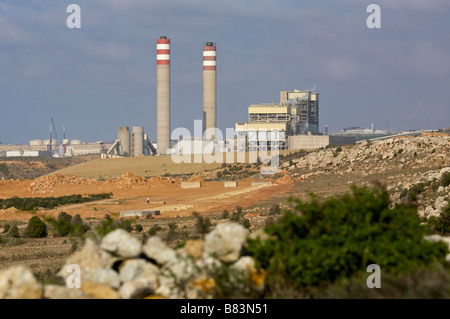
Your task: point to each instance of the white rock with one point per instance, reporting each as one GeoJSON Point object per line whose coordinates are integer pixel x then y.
{"type": "Point", "coordinates": [139, 288]}
{"type": "Point", "coordinates": [18, 282]}
{"type": "Point", "coordinates": [155, 249]}
{"type": "Point", "coordinates": [103, 276]}
{"type": "Point", "coordinates": [63, 292]}
{"type": "Point", "coordinates": [245, 263]}
{"type": "Point", "coordinates": [225, 242]}
{"type": "Point", "coordinates": [88, 258]}
{"type": "Point", "coordinates": [134, 268]}
{"type": "Point", "coordinates": [121, 243]}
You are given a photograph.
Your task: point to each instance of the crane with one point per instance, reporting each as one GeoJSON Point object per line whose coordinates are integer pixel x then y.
{"type": "Point", "coordinates": [53, 130]}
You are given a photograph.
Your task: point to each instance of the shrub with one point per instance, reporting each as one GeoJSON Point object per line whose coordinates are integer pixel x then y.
{"type": "Point", "coordinates": [13, 232]}
{"type": "Point", "coordinates": [239, 209]}
{"type": "Point", "coordinates": [319, 243]}
{"type": "Point", "coordinates": [155, 228]}
{"type": "Point", "coordinates": [440, 225]}
{"type": "Point", "coordinates": [172, 234]}
{"type": "Point", "coordinates": [81, 229]}
{"type": "Point", "coordinates": [203, 223]}
{"type": "Point", "coordinates": [76, 220]}
{"type": "Point", "coordinates": [64, 217]}
{"type": "Point", "coordinates": [138, 228]}
{"type": "Point", "coordinates": [246, 223]}
{"type": "Point", "coordinates": [445, 179]}
{"type": "Point", "coordinates": [225, 214]}
{"type": "Point", "coordinates": [36, 228]}
{"type": "Point", "coordinates": [274, 209]}
{"type": "Point", "coordinates": [236, 217]}
{"type": "Point", "coordinates": [106, 226]}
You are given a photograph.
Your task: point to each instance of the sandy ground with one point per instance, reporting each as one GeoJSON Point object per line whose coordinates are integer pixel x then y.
{"type": "Point", "coordinates": [171, 201]}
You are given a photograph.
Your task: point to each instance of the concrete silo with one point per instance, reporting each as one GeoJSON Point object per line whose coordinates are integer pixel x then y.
{"type": "Point", "coordinates": [163, 94]}
{"type": "Point", "coordinates": [123, 135]}
{"type": "Point", "coordinates": [209, 87]}
{"type": "Point", "coordinates": [138, 140]}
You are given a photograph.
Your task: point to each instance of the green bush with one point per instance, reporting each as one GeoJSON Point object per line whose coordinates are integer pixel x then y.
{"type": "Point", "coordinates": [203, 224]}
{"type": "Point", "coordinates": [154, 229]}
{"type": "Point", "coordinates": [445, 179]}
{"type": "Point", "coordinates": [440, 225]}
{"type": "Point", "coordinates": [36, 228]}
{"type": "Point", "coordinates": [236, 217]}
{"type": "Point", "coordinates": [31, 203]}
{"type": "Point", "coordinates": [138, 228]}
{"type": "Point", "coordinates": [76, 220]}
{"type": "Point", "coordinates": [108, 224]}
{"type": "Point", "coordinates": [63, 216]}
{"type": "Point", "coordinates": [411, 194]}
{"type": "Point", "coordinates": [246, 223]}
{"type": "Point", "coordinates": [319, 243]}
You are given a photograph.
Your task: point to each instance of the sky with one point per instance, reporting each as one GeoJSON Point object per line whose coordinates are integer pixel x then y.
{"type": "Point", "coordinates": [103, 75]}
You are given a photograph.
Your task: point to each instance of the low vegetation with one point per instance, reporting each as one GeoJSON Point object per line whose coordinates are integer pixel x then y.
{"type": "Point", "coordinates": [32, 203]}
{"type": "Point", "coordinates": [320, 243]}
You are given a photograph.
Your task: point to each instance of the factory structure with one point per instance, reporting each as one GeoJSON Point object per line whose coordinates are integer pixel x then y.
{"type": "Point", "coordinates": [132, 143]}
{"type": "Point", "coordinates": [291, 124]}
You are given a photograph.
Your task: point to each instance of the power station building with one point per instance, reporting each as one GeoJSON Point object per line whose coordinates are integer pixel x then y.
{"type": "Point", "coordinates": [291, 124]}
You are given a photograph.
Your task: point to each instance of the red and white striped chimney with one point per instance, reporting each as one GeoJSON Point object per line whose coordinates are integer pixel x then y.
{"type": "Point", "coordinates": [209, 87]}
{"type": "Point", "coordinates": [163, 94]}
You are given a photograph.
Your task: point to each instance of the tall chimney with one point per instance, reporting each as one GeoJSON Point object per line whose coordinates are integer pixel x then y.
{"type": "Point", "coordinates": [163, 94]}
{"type": "Point", "coordinates": [209, 87]}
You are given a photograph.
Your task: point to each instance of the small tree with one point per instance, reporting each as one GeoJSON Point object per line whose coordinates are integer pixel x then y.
{"type": "Point", "coordinates": [63, 216]}
{"type": "Point", "coordinates": [36, 228]}
{"type": "Point", "coordinates": [76, 220]}
{"type": "Point", "coordinates": [203, 223]}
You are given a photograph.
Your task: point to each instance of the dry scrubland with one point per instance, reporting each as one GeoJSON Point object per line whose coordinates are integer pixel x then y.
{"type": "Point", "coordinates": [413, 170]}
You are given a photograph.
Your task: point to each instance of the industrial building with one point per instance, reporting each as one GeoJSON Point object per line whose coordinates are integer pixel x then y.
{"type": "Point", "coordinates": [37, 148]}
{"type": "Point", "coordinates": [132, 143]}
{"type": "Point", "coordinates": [291, 124]}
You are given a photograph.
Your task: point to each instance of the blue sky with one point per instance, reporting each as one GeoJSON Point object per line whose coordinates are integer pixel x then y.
{"type": "Point", "coordinates": [103, 76]}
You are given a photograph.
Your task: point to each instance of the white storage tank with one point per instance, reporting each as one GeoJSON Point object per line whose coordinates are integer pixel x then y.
{"type": "Point", "coordinates": [36, 142]}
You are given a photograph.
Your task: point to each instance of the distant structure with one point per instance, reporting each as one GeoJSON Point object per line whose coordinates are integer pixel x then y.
{"type": "Point", "coordinates": [130, 144]}
{"type": "Point", "coordinates": [209, 89]}
{"type": "Point", "coordinates": [163, 94]}
{"type": "Point", "coordinates": [356, 133]}
{"type": "Point", "coordinates": [295, 118]}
